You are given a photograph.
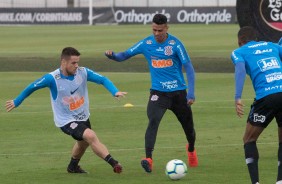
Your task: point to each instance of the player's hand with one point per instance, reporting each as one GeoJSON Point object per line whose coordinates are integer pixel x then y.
{"type": "Point", "coordinates": [120, 94]}
{"type": "Point", "coordinates": [190, 101]}
{"type": "Point", "coordinates": [109, 53]}
{"type": "Point", "coordinates": [10, 105]}
{"type": "Point", "coordinates": [239, 107]}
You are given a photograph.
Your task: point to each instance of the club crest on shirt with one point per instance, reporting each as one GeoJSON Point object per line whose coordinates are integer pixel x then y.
{"type": "Point", "coordinates": [168, 50]}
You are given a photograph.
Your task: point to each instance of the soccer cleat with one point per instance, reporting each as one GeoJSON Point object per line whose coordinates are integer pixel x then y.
{"type": "Point", "coordinates": [117, 168]}
{"type": "Point", "coordinates": [147, 164]}
{"type": "Point", "coordinates": [77, 169]}
{"type": "Point", "coordinates": [192, 157]}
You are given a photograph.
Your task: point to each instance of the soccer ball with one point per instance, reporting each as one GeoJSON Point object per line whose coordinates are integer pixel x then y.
{"type": "Point", "coordinates": [176, 169]}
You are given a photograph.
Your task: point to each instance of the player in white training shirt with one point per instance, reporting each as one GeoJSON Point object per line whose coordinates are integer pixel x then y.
{"type": "Point", "coordinates": [70, 105]}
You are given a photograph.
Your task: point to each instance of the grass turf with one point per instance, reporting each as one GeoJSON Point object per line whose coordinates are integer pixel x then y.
{"type": "Point", "coordinates": [37, 48]}
{"type": "Point", "coordinates": [33, 150]}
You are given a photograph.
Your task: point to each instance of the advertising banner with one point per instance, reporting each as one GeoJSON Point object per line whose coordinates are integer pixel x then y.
{"type": "Point", "coordinates": [181, 15]}
{"type": "Point", "coordinates": [117, 15]}
{"type": "Point", "coordinates": [43, 16]}
{"type": "Point", "coordinates": [264, 15]}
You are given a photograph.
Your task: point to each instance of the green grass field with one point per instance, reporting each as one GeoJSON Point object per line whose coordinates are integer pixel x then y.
{"type": "Point", "coordinates": [37, 48]}
{"type": "Point", "coordinates": [33, 150]}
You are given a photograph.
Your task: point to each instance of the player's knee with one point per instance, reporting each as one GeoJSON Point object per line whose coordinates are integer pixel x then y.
{"type": "Point", "coordinates": [89, 136]}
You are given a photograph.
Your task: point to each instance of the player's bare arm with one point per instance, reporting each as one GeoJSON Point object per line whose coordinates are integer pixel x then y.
{"type": "Point", "coordinates": [239, 107]}
{"type": "Point", "coordinates": [10, 105]}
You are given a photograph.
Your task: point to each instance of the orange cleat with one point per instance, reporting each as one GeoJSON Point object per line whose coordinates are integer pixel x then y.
{"type": "Point", "coordinates": [192, 157]}
{"type": "Point", "coordinates": [147, 164]}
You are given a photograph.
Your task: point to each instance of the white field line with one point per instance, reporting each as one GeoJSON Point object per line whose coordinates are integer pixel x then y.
{"type": "Point", "coordinates": [134, 149]}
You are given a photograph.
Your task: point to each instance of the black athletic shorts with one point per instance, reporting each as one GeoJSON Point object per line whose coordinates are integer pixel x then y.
{"type": "Point", "coordinates": [264, 110]}
{"type": "Point", "coordinates": [76, 129]}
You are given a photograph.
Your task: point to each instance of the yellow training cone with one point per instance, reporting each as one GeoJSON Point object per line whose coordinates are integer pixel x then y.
{"type": "Point", "coordinates": [128, 105]}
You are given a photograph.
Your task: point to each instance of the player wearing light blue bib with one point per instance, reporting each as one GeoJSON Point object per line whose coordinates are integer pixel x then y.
{"type": "Point", "coordinates": [166, 57]}
{"type": "Point", "coordinates": [262, 62]}
{"type": "Point", "coordinates": [68, 93]}
{"type": "Point", "coordinates": [70, 105]}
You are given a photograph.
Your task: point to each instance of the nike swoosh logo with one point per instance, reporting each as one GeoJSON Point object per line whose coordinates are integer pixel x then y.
{"type": "Point", "coordinates": [97, 16]}
{"type": "Point", "coordinates": [72, 92]}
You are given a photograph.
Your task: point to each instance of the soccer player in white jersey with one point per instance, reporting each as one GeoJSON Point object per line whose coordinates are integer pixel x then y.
{"type": "Point", "coordinates": [262, 62]}
{"type": "Point", "coordinates": [70, 105]}
{"type": "Point", "coordinates": [166, 56]}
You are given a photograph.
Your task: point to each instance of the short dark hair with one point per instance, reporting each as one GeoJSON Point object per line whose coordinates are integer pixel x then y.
{"type": "Point", "coordinates": [67, 52]}
{"type": "Point", "coordinates": [247, 33]}
{"type": "Point", "coordinates": [159, 19]}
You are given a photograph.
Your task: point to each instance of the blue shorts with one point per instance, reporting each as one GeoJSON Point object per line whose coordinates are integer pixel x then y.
{"type": "Point", "coordinates": [264, 110]}
{"type": "Point", "coordinates": [76, 129]}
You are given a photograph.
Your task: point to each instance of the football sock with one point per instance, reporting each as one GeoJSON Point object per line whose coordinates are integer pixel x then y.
{"type": "Point", "coordinates": [149, 152]}
{"type": "Point", "coordinates": [191, 137]}
{"type": "Point", "coordinates": [279, 176]}
{"type": "Point", "coordinates": [191, 147]}
{"type": "Point", "coordinates": [110, 160]}
{"type": "Point", "coordinates": [252, 156]}
{"type": "Point", "coordinates": [73, 163]}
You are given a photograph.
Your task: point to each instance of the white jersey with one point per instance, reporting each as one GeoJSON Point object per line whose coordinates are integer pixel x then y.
{"type": "Point", "coordinates": [72, 102]}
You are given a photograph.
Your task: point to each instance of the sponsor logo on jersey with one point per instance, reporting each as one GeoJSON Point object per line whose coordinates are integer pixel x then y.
{"type": "Point", "coordinates": [257, 45]}
{"type": "Point", "coordinates": [79, 116]}
{"type": "Point", "coordinates": [168, 50]}
{"type": "Point", "coordinates": [171, 42]}
{"type": "Point", "coordinates": [273, 77]}
{"type": "Point", "coordinates": [149, 42]}
{"type": "Point", "coordinates": [72, 92]}
{"type": "Point", "coordinates": [279, 87]}
{"type": "Point", "coordinates": [170, 84]}
{"type": "Point", "coordinates": [74, 102]}
{"type": "Point", "coordinates": [262, 51]}
{"type": "Point", "coordinates": [259, 118]}
{"type": "Point", "coordinates": [268, 64]}
{"type": "Point", "coordinates": [161, 63]}
{"type": "Point", "coordinates": [159, 49]}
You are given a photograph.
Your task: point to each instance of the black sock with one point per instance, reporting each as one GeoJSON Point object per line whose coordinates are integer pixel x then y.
{"type": "Point", "coordinates": [73, 163]}
{"type": "Point", "coordinates": [191, 147]}
{"type": "Point", "coordinates": [252, 156]}
{"type": "Point", "coordinates": [149, 152]}
{"type": "Point", "coordinates": [279, 175]}
{"type": "Point", "coordinates": [191, 137]}
{"type": "Point", "coordinates": [110, 160]}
